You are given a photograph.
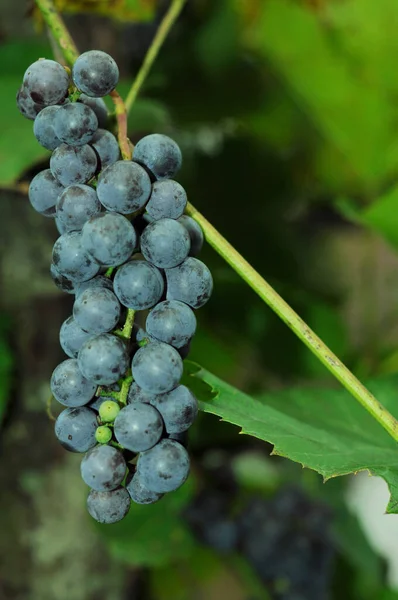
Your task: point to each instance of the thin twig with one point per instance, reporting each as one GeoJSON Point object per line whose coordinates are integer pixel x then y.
{"type": "Point", "coordinates": [58, 30]}
{"type": "Point", "coordinates": [121, 119]}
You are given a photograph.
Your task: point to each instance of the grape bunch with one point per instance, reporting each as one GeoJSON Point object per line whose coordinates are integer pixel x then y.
{"type": "Point", "coordinates": [125, 245]}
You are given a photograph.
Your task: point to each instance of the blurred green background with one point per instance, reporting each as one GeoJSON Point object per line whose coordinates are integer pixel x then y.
{"type": "Point", "coordinates": [287, 115]}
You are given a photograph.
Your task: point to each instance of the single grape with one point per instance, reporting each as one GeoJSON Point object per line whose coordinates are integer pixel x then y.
{"type": "Point", "coordinates": [163, 468]}
{"type": "Point", "coordinates": [138, 285]}
{"type": "Point", "coordinates": [195, 233]}
{"type": "Point", "coordinates": [172, 322]}
{"type": "Point", "coordinates": [160, 154]}
{"type": "Point", "coordinates": [103, 434]}
{"type": "Point", "coordinates": [157, 368]}
{"type": "Point", "coordinates": [109, 238]}
{"type": "Point", "coordinates": [179, 409]}
{"type": "Point", "coordinates": [72, 337]}
{"type": "Point", "coordinates": [107, 147]}
{"type": "Point", "coordinates": [98, 106]}
{"type": "Point", "coordinates": [71, 259]}
{"type": "Point", "coordinates": [103, 468]}
{"type": "Point", "coordinates": [75, 429]}
{"type": "Point", "coordinates": [25, 104]}
{"type": "Point", "coordinates": [96, 310]}
{"type": "Point", "coordinates": [69, 386]}
{"type": "Point", "coordinates": [75, 205]}
{"type": "Point", "coordinates": [46, 81]}
{"type": "Point", "coordinates": [136, 394]}
{"type": "Point", "coordinates": [191, 282]}
{"type": "Point", "coordinates": [43, 128]}
{"type": "Point", "coordinates": [108, 411]}
{"type": "Point", "coordinates": [109, 507]}
{"type": "Point", "coordinates": [73, 164]}
{"type": "Point", "coordinates": [44, 190]}
{"type": "Point", "coordinates": [139, 493]}
{"type": "Point", "coordinates": [62, 282]}
{"type": "Point", "coordinates": [75, 123]}
{"type": "Point", "coordinates": [168, 200]}
{"type": "Point", "coordinates": [99, 281]}
{"type": "Point", "coordinates": [95, 73]}
{"type": "Point", "coordinates": [165, 243]}
{"type": "Point", "coordinates": [103, 359]}
{"type": "Point", "coordinates": [138, 427]}
{"type": "Point", "coordinates": [124, 187]}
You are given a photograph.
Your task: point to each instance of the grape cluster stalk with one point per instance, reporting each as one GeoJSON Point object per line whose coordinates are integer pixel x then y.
{"type": "Point", "coordinates": [125, 245]}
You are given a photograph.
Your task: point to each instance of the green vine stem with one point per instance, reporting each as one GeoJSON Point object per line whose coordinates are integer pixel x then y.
{"type": "Point", "coordinates": [121, 119]}
{"type": "Point", "coordinates": [220, 244]}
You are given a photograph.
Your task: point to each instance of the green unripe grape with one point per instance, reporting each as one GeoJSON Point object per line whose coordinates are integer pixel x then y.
{"type": "Point", "coordinates": [103, 434]}
{"type": "Point", "coordinates": [108, 411]}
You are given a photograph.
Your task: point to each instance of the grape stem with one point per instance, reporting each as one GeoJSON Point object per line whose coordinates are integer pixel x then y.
{"type": "Point", "coordinates": [121, 118]}
{"type": "Point", "coordinates": [215, 239]}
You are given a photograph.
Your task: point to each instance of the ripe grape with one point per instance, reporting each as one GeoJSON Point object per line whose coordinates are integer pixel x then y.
{"type": "Point", "coordinates": [95, 73]}
{"type": "Point", "coordinates": [103, 468]}
{"type": "Point", "coordinates": [75, 428]}
{"type": "Point", "coordinates": [62, 282]}
{"type": "Point", "coordinates": [73, 164]}
{"type": "Point", "coordinates": [163, 468]}
{"type": "Point", "coordinates": [75, 205]}
{"type": "Point", "coordinates": [109, 507]}
{"type": "Point", "coordinates": [71, 259]}
{"type": "Point", "coordinates": [109, 238]}
{"type": "Point", "coordinates": [43, 128]}
{"type": "Point", "coordinates": [168, 200]}
{"type": "Point", "coordinates": [103, 359]}
{"type": "Point", "coordinates": [106, 146]}
{"type": "Point", "coordinates": [195, 233]}
{"type": "Point", "coordinates": [98, 281]}
{"type": "Point", "coordinates": [69, 386]}
{"type": "Point", "coordinates": [44, 190]}
{"type": "Point", "coordinates": [96, 310]}
{"type": "Point", "coordinates": [124, 187]}
{"type": "Point", "coordinates": [139, 493]}
{"type": "Point", "coordinates": [159, 154]}
{"type": "Point", "coordinates": [138, 427]}
{"type": "Point", "coordinates": [46, 81]}
{"type": "Point", "coordinates": [72, 337]}
{"type": "Point", "coordinates": [172, 322]}
{"type": "Point", "coordinates": [98, 106]}
{"type": "Point", "coordinates": [138, 285]}
{"type": "Point", "coordinates": [75, 123]}
{"type": "Point", "coordinates": [136, 394]}
{"type": "Point", "coordinates": [157, 368]}
{"type": "Point", "coordinates": [26, 106]}
{"type": "Point", "coordinates": [191, 282]}
{"type": "Point", "coordinates": [179, 409]}
{"type": "Point", "coordinates": [165, 243]}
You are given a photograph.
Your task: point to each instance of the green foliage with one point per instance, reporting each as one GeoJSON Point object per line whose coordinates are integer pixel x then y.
{"type": "Point", "coordinates": [6, 365]}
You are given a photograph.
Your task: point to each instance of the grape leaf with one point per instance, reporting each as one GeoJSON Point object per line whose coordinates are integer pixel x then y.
{"type": "Point", "coordinates": [325, 430]}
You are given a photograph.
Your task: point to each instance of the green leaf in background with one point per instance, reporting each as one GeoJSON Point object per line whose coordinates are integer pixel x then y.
{"type": "Point", "coordinates": [325, 430]}
{"type": "Point", "coordinates": [121, 10]}
{"type": "Point", "coordinates": [6, 365]}
{"type": "Point", "coordinates": [382, 216]}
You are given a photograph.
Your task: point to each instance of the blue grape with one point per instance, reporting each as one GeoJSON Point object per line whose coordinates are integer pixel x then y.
{"type": "Point", "coordinates": [44, 190]}
{"type": "Point", "coordinates": [26, 106]}
{"type": "Point", "coordinates": [61, 228]}
{"type": "Point", "coordinates": [124, 187]}
{"type": "Point", "coordinates": [98, 106]}
{"type": "Point", "coordinates": [172, 322]}
{"type": "Point", "coordinates": [109, 507]}
{"type": "Point", "coordinates": [75, 429]}
{"type": "Point", "coordinates": [165, 243]}
{"type": "Point", "coordinates": [62, 282]}
{"type": "Point", "coordinates": [181, 438]}
{"type": "Point", "coordinates": [95, 73]}
{"type": "Point", "coordinates": [96, 310]}
{"type": "Point", "coordinates": [159, 154]}
{"type": "Point", "coordinates": [168, 200]}
{"type": "Point", "coordinates": [103, 468]}
{"type": "Point", "coordinates": [157, 368]}
{"type": "Point", "coordinates": [99, 281]}
{"type": "Point", "coordinates": [191, 282]}
{"type": "Point", "coordinates": [75, 123]}
{"type": "Point", "coordinates": [179, 409]}
{"type": "Point", "coordinates": [185, 350]}
{"type": "Point", "coordinates": [109, 238]}
{"type": "Point", "coordinates": [75, 205]}
{"type": "Point", "coordinates": [96, 403]}
{"type": "Point", "coordinates": [46, 81]}
{"type": "Point", "coordinates": [71, 259]}
{"type": "Point", "coordinates": [138, 285]}
{"type": "Point", "coordinates": [72, 337]}
{"type": "Point", "coordinates": [139, 493]}
{"type": "Point", "coordinates": [195, 233]}
{"type": "Point", "coordinates": [136, 394]}
{"type": "Point", "coordinates": [106, 146]}
{"type": "Point", "coordinates": [69, 386]}
{"type": "Point", "coordinates": [138, 427]}
{"type": "Point", "coordinates": [103, 359]}
{"type": "Point", "coordinates": [43, 128]}
{"type": "Point", "coordinates": [73, 164]}
{"type": "Point", "coordinates": [163, 468]}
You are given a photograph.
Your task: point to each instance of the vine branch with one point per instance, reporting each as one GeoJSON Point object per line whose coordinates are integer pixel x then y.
{"type": "Point", "coordinates": [121, 119]}
{"type": "Point", "coordinates": [58, 29]}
